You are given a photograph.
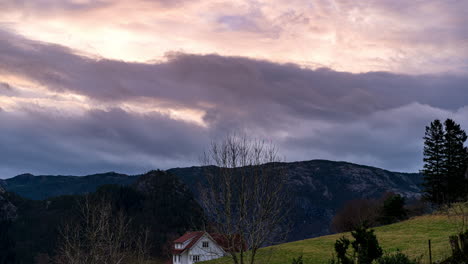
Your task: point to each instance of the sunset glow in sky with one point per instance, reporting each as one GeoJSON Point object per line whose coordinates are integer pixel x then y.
{"type": "Point", "coordinates": [89, 86]}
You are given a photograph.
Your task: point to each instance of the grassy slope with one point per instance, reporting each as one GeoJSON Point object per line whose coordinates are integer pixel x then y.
{"type": "Point", "coordinates": [410, 237]}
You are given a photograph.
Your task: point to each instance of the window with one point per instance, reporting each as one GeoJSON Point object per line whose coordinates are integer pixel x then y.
{"type": "Point", "coordinates": [205, 244]}
{"type": "Point", "coordinates": [196, 258]}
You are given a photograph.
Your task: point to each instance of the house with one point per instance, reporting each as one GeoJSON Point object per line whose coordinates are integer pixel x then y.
{"type": "Point", "coordinates": [197, 246]}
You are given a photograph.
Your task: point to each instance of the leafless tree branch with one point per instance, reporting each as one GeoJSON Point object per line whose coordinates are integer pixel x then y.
{"type": "Point", "coordinates": [245, 194]}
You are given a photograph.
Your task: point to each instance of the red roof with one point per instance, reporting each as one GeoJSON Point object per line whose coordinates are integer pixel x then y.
{"type": "Point", "coordinates": [222, 241]}
{"type": "Point", "coordinates": [188, 236]}
{"type": "Point", "coordinates": [195, 236]}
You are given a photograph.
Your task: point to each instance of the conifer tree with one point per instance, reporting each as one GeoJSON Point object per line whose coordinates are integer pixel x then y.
{"type": "Point", "coordinates": [434, 170]}
{"type": "Point", "coordinates": [7, 244]}
{"type": "Point", "coordinates": [445, 162]}
{"type": "Point", "coordinates": [454, 159]}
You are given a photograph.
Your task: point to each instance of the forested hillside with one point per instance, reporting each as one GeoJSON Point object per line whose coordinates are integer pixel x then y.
{"type": "Point", "coordinates": [157, 203]}
{"type": "Point", "coordinates": [318, 188]}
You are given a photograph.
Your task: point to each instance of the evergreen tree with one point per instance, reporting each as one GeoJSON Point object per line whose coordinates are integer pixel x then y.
{"type": "Point", "coordinates": [454, 159]}
{"type": "Point", "coordinates": [434, 169]}
{"type": "Point", "coordinates": [7, 244]}
{"type": "Point", "coordinates": [366, 248]}
{"type": "Point", "coordinates": [393, 210]}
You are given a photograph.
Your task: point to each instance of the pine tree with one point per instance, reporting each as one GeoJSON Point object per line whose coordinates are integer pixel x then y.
{"type": "Point", "coordinates": [434, 184]}
{"type": "Point", "coordinates": [454, 159]}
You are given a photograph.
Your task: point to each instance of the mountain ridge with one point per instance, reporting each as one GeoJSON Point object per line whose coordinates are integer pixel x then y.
{"type": "Point", "coordinates": [319, 188]}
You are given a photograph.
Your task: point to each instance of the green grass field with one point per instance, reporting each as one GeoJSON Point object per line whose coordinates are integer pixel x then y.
{"type": "Point", "coordinates": [410, 237]}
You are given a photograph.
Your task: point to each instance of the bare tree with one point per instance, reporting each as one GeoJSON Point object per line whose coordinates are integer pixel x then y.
{"type": "Point", "coordinates": [355, 213]}
{"type": "Point", "coordinates": [245, 195]}
{"type": "Point", "coordinates": [100, 236]}
{"type": "Point", "coordinates": [458, 214]}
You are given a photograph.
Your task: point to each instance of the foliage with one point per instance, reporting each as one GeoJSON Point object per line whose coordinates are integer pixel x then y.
{"type": "Point", "coordinates": [341, 248]}
{"type": "Point", "coordinates": [455, 159]}
{"type": "Point", "coordinates": [393, 210]}
{"type": "Point", "coordinates": [297, 260]}
{"type": "Point", "coordinates": [304, 176]}
{"type": "Point", "coordinates": [390, 208]}
{"type": "Point", "coordinates": [445, 162]}
{"type": "Point", "coordinates": [396, 258]}
{"type": "Point", "coordinates": [434, 175]}
{"type": "Point", "coordinates": [7, 244]}
{"type": "Point", "coordinates": [365, 246]}
{"type": "Point", "coordinates": [157, 202]}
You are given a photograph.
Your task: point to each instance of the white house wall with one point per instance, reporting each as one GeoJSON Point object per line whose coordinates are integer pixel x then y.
{"type": "Point", "coordinates": [184, 258]}
{"type": "Point", "coordinates": [213, 251]}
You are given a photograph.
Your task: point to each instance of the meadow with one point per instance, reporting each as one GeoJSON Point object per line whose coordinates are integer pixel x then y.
{"type": "Point", "coordinates": [410, 237]}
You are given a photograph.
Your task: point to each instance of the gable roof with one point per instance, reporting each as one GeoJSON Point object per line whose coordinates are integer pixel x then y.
{"type": "Point", "coordinates": [188, 235]}
{"type": "Point", "coordinates": [221, 240]}
{"type": "Point", "coordinates": [195, 236]}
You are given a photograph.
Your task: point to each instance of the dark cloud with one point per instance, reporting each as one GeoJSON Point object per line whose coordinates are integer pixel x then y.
{"type": "Point", "coordinates": [374, 118]}
{"type": "Point", "coordinates": [47, 142]}
{"type": "Point", "coordinates": [235, 83]}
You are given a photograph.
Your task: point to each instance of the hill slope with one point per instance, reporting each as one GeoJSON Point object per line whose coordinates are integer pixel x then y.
{"type": "Point", "coordinates": [410, 237]}
{"type": "Point", "coordinates": [319, 188]}
{"type": "Point", "coordinates": [158, 202]}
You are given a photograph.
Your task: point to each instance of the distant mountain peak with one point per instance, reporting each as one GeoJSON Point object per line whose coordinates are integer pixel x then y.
{"type": "Point", "coordinates": [24, 176]}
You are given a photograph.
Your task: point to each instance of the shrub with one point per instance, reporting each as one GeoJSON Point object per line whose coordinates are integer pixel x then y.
{"type": "Point", "coordinates": [365, 246]}
{"type": "Point", "coordinates": [397, 258]}
{"type": "Point", "coordinates": [393, 209]}
{"type": "Point", "coordinates": [297, 260]}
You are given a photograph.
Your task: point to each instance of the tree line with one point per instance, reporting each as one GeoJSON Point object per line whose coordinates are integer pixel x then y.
{"type": "Point", "coordinates": [445, 163]}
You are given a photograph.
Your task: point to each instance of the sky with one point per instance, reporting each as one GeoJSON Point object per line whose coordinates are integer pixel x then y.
{"type": "Point", "coordinates": [90, 86]}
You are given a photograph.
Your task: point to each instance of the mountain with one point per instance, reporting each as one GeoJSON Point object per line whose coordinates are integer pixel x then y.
{"type": "Point", "coordinates": [7, 209]}
{"type": "Point", "coordinates": [157, 201]}
{"type": "Point", "coordinates": [318, 188]}
{"type": "Point", "coordinates": [45, 186]}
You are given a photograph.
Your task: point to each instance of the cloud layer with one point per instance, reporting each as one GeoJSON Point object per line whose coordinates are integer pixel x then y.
{"type": "Point", "coordinates": [67, 112]}
{"type": "Point", "coordinates": [355, 36]}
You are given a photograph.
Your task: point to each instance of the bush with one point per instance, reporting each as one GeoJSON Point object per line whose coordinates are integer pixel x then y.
{"type": "Point", "coordinates": [388, 209]}
{"type": "Point", "coordinates": [397, 258]}
{"type": "Point", "coordinates": [297, 260]}
{"type": "Point", "coordinates": [417, 207]}
{"type": "Point", "coordinates": [365, 246]}
{"type": "Point", "coordinates": [393, 209]}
